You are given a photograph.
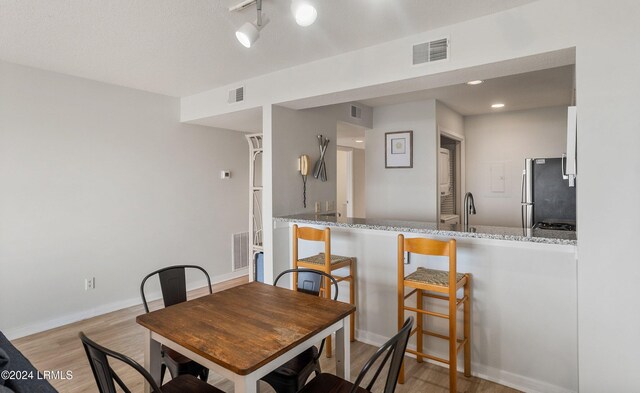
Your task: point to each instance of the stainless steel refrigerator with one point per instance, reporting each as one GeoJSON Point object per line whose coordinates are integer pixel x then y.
{"type": "Point", "coordinates": [548, 202]}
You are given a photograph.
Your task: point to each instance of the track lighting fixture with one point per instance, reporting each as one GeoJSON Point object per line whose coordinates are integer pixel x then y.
{"type": "Point", "coordinates": [249, 32]}
{"type": "Point", "coordinates": [303, 11]}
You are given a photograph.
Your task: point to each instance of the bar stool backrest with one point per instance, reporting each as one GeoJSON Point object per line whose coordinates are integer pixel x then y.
{"type": "Point", "coordinates": [432, 247]}
{"type": "Point", "coordinates": [313, 234]}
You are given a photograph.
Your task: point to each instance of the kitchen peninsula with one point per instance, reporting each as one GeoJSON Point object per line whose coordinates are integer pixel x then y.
{"type": "Point", "coordinates": [524, 292]}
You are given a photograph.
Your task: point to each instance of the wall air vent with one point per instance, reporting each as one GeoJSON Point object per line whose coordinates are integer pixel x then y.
{"type": "Point", "coordinates": [356, 112]}
{"type": "Point", "coordinates": [431, 51]}
{"type": "Point", "coordinates": [240, 244]}
{"type": "Point", "coordinates": [236, 95]}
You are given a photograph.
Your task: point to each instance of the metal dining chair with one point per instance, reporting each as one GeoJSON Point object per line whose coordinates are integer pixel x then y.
{"type": "Point", "coordinates": [107, 379]}
{"type": "Point", "coordinates": [392, 349]}
{"type": "Point", "coordinates": [173, 284]}
{"type": "Point", "coordinates": [291, 376]}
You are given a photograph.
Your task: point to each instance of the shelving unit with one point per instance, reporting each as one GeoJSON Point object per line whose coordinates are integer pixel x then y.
{"type": "Point", "coordinates": [255, 202]}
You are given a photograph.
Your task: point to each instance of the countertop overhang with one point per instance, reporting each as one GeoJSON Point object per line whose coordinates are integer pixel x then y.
{"type": "Point", "coordinates": [431, 228]}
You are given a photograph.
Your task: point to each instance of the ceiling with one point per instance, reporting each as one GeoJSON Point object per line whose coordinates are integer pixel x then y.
{"type": "Point", "coordinates": [536, 89]}
{"type": "Point", "coordinates": [550, 87]}
{"type": "Point", "coordinates": [180, 48]}
{"type": "Point", "coordinates": [348, 134]}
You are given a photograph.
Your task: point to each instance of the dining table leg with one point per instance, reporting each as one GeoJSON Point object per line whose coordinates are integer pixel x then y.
{"type": "Point", "coordinates": [246, 384]}
{"type": "Point", "coordinates": [343, 349]}
{"type": "Point", "coordinates": [152, 359]}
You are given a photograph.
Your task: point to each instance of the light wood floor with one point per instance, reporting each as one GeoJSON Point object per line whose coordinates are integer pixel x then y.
{"type": "Point", "coordinates": [60, 349]}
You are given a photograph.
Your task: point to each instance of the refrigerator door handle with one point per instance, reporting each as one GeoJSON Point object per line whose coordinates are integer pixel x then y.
{"type": "Point", "coordinates": [523, 207]}
{"type": "Point", "coordinates": [522, 198]}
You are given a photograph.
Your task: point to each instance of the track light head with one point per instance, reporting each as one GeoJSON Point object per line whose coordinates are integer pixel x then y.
{"type": "Point", "coordinates": [304, 12]}
{"type": "Point", "coordinates": [248, 34]}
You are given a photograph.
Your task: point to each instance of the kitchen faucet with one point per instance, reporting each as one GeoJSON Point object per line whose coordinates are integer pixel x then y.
{"type": "Point", "coordinates": [469, 208]}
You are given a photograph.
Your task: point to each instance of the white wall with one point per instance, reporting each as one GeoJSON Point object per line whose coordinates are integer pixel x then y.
{"type": "Point", "coordinates": [609, 185]}
{"type": "Point", "coordinates": [449, 120]}
{"type": "Point", "coordinates": [294, 134]}
{"type": "Point", "coordinates": [99, 180]}
{"type": "Point", "coordinates": [505, 139]}
{"type": "Point", "coordinates": [403, 193]}
{"type": "Point", "coordinates": [290, 134]}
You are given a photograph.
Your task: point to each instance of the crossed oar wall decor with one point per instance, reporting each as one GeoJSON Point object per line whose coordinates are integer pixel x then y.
{"type": "Point", "coordinates": [320, 168]}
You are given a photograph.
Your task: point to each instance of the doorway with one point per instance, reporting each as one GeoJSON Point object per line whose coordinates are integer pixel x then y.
{"type": "Point", "coordinates": [344, 180]}
{"type": "Point", "coordinates": [450, 176]}
{"type": "Point", "coordinates": [350, 164]}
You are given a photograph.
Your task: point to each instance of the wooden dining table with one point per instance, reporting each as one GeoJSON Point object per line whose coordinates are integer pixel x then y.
{"type": "Point", "coordinates": [245, 332]}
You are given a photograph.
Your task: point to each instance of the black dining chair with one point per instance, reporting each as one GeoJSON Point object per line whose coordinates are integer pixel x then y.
{"type": "Point", "coordinates": [291, 376]}
{"type": "Point", "coordinates": [173, 284]}
{"type": "Point", "coordinates": [107, 379]}
{"type": "Point", "coordinates": [392, 349]}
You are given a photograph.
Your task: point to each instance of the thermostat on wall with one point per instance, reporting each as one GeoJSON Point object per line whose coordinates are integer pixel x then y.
{"type": "Point", "coordinates": [225, 174]}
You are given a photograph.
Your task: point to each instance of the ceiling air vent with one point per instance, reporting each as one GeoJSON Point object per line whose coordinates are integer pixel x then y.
{"type": "Point", "coordinates": [431, 51]}
{"type": "Point", "coordinates": [356, 112]}
{"type": "Point", "coordinates": [236, 95]}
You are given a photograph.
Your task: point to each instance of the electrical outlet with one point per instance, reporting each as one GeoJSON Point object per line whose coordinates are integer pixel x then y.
{"type": "Point", "coordinates": [318, 207]}
{"type": "Point", "coordinates": [89, 283]}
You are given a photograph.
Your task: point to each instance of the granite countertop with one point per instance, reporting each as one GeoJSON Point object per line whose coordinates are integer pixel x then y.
{"type": "Point", "coordinates": [456, 230]}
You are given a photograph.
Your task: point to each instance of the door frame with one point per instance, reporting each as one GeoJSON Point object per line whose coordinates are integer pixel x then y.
{"type": "Point", "coordinates": [460, 168]}
{"type": "Point", "coordinates": [348, 179]}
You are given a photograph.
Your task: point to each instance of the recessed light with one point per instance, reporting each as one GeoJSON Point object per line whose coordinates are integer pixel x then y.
{"type": "Point", "coordinates": [476, 82]}
{"type": "Point", "coordinates": [499, 105]}
{"type": "Point", "coordinates": [359, 141]}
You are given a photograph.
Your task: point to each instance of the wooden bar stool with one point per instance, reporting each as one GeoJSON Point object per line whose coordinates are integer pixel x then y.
{"type": "Point", "coordinates": [437, 284]}
{"type": "Point", "coordinates": [325, 262]}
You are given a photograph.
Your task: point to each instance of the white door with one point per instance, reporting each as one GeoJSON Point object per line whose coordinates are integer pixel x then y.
{"type": "Point", "coordinates": [344, 182]}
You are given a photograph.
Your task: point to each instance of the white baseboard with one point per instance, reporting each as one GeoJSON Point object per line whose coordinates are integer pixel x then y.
{"type": "Point", "coordinates": [42, 326]}
{"type": "Point", "coordinates": [515, 381]}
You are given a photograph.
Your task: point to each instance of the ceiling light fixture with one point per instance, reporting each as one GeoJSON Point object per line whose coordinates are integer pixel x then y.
{"type": "Point", "coordinates": [476, 82]}
{"type": "Point", "coordinates": [304, 12]}
{"type": "Point", "coordinates": [359, 141]}
{"type": "Point", "coordinates": [249, 32]}
{"type": "Point", "coordinates": [498, 105]}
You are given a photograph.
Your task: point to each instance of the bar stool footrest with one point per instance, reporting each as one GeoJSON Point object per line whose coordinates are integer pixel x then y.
{"type": "Point", "coordinates": [424, 355]}
{"type": "Point", "coordinates": [441, 297]}
{"type": "Point", "coordinates": [442, 336]}
{"type": "Point", "coordinates": [432, 313]}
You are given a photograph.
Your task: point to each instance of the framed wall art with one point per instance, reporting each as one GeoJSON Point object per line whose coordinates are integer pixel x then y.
{"type": "Point", "coordinates": [398, 149]}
